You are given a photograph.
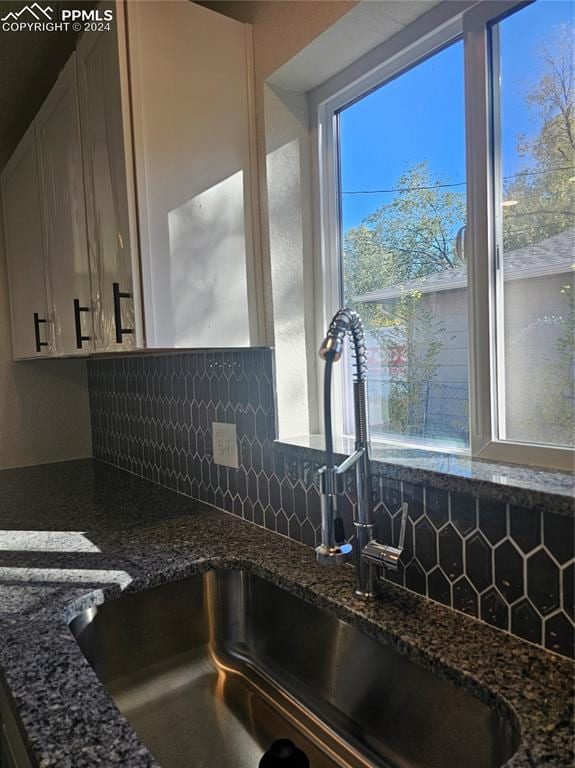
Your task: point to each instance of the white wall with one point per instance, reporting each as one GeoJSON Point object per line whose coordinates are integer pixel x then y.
{"type": "Point", "coordinates": [44, 406]}
{"type": "Point", "coordinates": [281, 30]}
{"type": "Point", "coordinates": [298, 45]}
{"type": "Point", "coordinates": [288, 154]}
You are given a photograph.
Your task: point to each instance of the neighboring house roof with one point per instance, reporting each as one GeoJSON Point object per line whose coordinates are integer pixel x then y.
{"type": "Point", "coordinates": [552, 256]}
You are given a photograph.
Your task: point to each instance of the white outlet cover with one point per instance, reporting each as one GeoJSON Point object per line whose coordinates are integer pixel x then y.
{"type": "Point", "coordinates": [225, 440]}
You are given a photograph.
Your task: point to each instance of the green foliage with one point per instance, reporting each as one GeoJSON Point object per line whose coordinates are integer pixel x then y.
{"type": "Point", "coordinates": [545, 186]}
{"type": "Point", "coordinates": [545, 194]}
{"type": "Point", "coordinates": [553, 420]}
{"type": "Point", "coordinates": [410, 237]}
{"type": "Point", "coordinates": [419, 333]}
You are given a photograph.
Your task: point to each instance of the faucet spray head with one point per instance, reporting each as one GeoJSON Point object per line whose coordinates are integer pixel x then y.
{"type": "Point", "coordinates": [345, 321]}
{"type": "Point", "coordinates": [331, 348]}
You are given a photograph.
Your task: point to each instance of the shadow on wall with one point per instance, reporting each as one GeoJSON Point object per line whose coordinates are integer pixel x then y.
{"type": "Point", "coordinates": [207, 241]}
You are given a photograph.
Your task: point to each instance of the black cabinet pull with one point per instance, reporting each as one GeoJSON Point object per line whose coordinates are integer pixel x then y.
{"type": "Point", "coordinates": [118, 296]}
{"type": "Point", "coordinates": [78, 323]}
{"type": "Point", "coordinates": [37, 321]}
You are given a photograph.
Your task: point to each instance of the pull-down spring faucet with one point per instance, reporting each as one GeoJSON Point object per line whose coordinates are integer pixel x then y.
{"type": "Point", "coordinates": [333, 548]}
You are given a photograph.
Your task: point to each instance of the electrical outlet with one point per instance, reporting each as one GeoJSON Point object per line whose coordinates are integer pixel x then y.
{"type": "Point", "coordinates": [225, 441]}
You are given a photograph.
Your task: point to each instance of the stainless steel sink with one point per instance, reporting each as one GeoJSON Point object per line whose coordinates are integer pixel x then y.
{"type": "Point", "coordinates": [212, 669]}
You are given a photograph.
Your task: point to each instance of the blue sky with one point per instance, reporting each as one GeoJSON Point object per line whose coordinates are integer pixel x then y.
{"type": "Point", "coordinates": [420, 115]}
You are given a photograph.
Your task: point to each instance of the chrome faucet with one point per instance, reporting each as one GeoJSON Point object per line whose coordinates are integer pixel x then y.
{"type": "Point", "coordinates": [334, 549]}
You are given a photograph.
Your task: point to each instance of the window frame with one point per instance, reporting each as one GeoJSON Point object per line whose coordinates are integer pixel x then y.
{"type": "Point", "coordinates": [424, 37]}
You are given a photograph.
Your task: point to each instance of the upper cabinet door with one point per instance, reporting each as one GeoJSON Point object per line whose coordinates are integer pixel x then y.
{"type": "Point", "coordinates": [62, 186]}
{"type": "Point", "coordinates": [31, 331]}
{"type": "Point", "coordinates": [191, 120]}
{"type": "Point", "coordinates": [108, 175]}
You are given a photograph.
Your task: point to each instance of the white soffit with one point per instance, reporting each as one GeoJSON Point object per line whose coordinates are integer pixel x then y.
{"type": "Point", "coordinates": [364, 27]}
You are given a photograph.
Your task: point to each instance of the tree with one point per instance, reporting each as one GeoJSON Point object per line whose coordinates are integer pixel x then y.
{"type": "Point", "coordinates": [544, 189]}
{"type": "Point", "coordinates": [410, 237]}
{"type": "Point", "coordinates": [545, 184]}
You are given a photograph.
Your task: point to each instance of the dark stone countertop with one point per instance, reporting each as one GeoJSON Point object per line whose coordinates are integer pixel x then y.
{"type": "Point", "coordinates": [550, 490]}
{"type": "Point", "coordinates": [77, 533]}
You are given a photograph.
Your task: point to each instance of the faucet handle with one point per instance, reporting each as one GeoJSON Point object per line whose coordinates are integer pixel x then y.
{"type": "Point", "coordinates": [387, 555]}
{"type": "Point", "coordinates": [382, 554]}
{"type": "Point", "coordinates": [404, 510]}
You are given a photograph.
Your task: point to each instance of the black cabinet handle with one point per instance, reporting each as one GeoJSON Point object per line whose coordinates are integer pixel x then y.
{"type": "Point", "coordinates": [78, 323]}
{"type": "Point", "coordinates": [37, 321]}
{"type": "Point", "coordinates": [118, 296]}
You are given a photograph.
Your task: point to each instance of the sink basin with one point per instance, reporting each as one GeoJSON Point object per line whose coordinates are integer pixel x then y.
{"type": "Point", "coordinates": [212, 669]}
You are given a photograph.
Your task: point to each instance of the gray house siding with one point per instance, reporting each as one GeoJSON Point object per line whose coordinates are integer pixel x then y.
{"type": "Point", "coordinates": [536, 316]}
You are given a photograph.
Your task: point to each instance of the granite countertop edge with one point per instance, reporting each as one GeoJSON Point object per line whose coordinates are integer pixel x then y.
{"type": "Point", "coordinates": [553, 491]}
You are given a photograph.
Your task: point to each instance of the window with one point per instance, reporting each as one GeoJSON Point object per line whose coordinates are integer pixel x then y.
{"type": "Point", "coordinates": [447, 180]}
{"type": "Point", "coordinates": [402, 202]}
{"type": "Point", "coordinates": [534, 118]}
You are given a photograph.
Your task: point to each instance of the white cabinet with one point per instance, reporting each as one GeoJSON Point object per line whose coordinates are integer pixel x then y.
{"type": "Point", "coordinates": [62, 189]}
{"type": "Point", "coordinates": [108, 175]}
{"type": "Point", "coordinates": [22, 215]}
{"type": "Point", "coordinates": [102, 235]}
{"type": "Point", "coordinates": [190, 80]}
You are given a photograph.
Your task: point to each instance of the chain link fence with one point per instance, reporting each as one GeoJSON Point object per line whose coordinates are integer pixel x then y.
{"type": "Point", "coordinates": [433, 410]}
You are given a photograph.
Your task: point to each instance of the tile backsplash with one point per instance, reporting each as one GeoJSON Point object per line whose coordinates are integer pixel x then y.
{"type": "Point", "coordinates": [152, 415]}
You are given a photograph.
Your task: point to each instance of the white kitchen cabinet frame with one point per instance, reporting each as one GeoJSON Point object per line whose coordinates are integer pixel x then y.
{"type": "Point", "coordinates": [24, 245]}
{"type": "Point", "coordinates": [192, 111]}
{"type": "Point", "coordinates": [61, 174]}
{"type": "Point", "coordinates": [109, 185]}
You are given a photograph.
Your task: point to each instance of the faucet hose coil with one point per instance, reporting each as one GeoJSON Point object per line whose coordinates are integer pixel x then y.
{"type": "Point", "coordinates": [346, 321]}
